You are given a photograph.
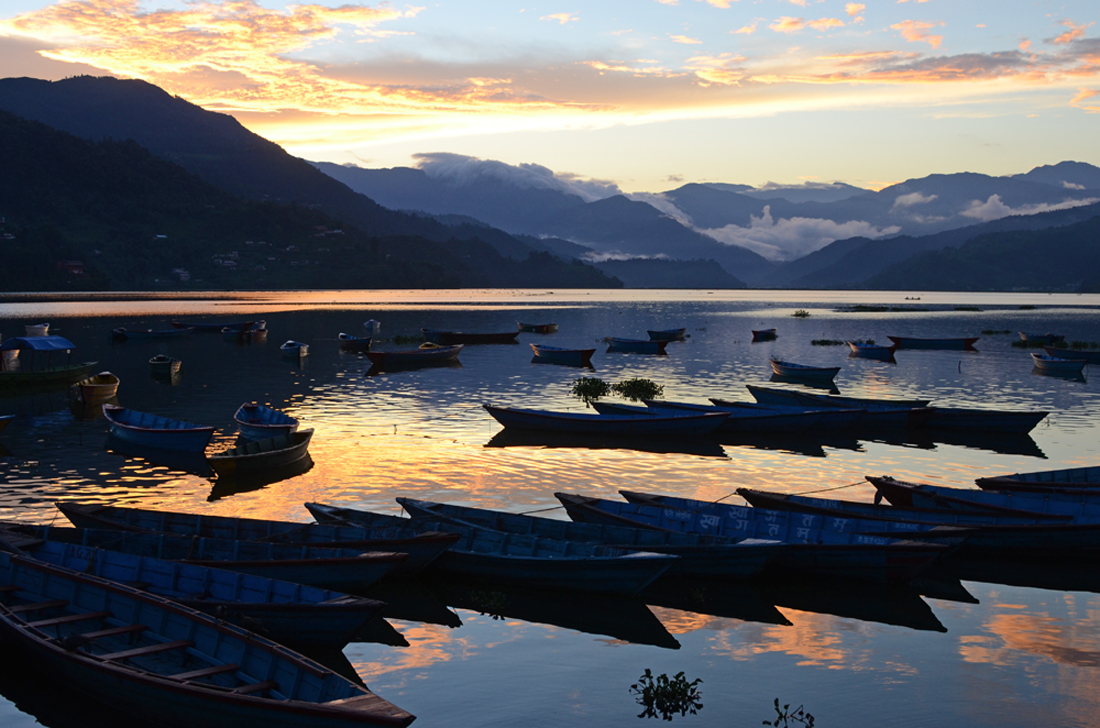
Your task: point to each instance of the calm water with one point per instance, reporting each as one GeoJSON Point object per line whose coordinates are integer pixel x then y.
{"type": "Point", "coordinates": [992, 655]}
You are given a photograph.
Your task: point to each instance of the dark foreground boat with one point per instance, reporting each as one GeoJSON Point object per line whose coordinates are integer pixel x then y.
{"type": "Point", "coordinates": [911, 342]}
{"type": "Point", "coordinates": [260, 456]}
{"type": "Point", "coordinates": [699, 555]}
{"type": "Point", "coordinates": [1087, 478]}
{"type": "Point", "coordinates": [167, 664]}
{"type": "Point", "coordinates": [646, 425]}
{"type": "Point", "coordinates": [526, 561]}
{"type": "Point", "coordinates": [149, 430]}
{"type": "Point", "coordinates": [259, 422]}
{"type": "Point", "coordinates": [291, 614]}
{"type": "Point", "coordinates": [1080, 505]}
{"type": "Point", "coordinates": [420, 548]}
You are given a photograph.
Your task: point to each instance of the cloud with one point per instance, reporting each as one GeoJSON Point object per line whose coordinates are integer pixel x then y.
{"type": "Point", "coordinates": [787, 24]}
{"type": "Point", "coordinates": [561, 18]}
{"type": "Point", "coordinates": [914, 32]}
{"type": "Point", "coordinates": [1025, 45]}
{"type": "Point", "coordinates": [747, 29]}
{"type": "Point", "coordinates": [994, 209]}
{"type": "Point", "coordinates": [911, 199]}
{"type": "Point", "coordinates": [721, 4]}
{"type": "Point", "coordinates": [795, 237]}
{"type": "Point", "coordinates": [459, 170]}
{"type": "Point", "coordinates": [724, 69]}
{"type": "Point", "coordinates": [1073, 186]}
{"type": "Point", "coordinates": [1075, 31]}
{"type": "Point", "coordinates": [826, 23]}
{"type": "Point", "coordinates": [685, 40]}
{"type": "Point", "coordinates": [1081, 100]}
{"type": "Point", "coordinates": [854, 9]}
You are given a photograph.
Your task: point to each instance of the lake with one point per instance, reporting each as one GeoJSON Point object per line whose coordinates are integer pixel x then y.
{"type": "Point", "coordinates": [1018, 648]}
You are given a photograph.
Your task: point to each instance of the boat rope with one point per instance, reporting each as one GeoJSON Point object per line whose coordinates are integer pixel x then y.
{"type": "Point", "coordinates": [541, 510]}
{"type": "Point", "coordinates": [837, 487]}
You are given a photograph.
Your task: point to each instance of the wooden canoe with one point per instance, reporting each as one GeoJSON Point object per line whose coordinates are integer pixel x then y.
{"type": "Point", "coordinates": [548, 328]}
{"type": "Point", "coordinates": [357, 344]}
{"type": "Point", "coordinates": [1087, 478]}
{"type": "Point", "coordinates": [763, 334]}
{"type": "Point", "coordinates": [259, 422]}
{"type": "Point", "coordinates": [1081, 505]}
{"type": "Point", "coordinates": [149, 430]}
{"type": "Point", "coordinates": [1057, 364]}
{"type": "Point", "coordinates": [96, 388]}
{"type": "Point", "coordinates": [910, 342]}
{"type": "Point", "coordinates": [413, 358]}
{"type": "Point", "coordinates": [803, 371]}
{"type": "Point", "coordinates": [660, 425]}
{"type": "Point", "coordinates": [635, 346]}
{"type": "Point", "coordinates": [559, 355]}
{"type": "Point", "coordinates": [667, 334]}
{"type": "Point", "coordinates": [124, 334]}
{"type": "Point", "coordinates": [260, 456]}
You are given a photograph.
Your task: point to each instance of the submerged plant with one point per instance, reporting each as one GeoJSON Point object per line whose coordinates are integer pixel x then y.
{"type": "Point", "coordinates": [589, 389]}
{"type": "Point", "coordinates": [666, 697]}
{"type": "Point", "coordinates": [637, 389]}
{"type": "Point", "coordinates": [785, 716]}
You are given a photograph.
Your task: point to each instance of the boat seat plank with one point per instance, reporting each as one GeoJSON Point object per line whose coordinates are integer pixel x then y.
{"type": "Point", "coordinates": [36, 606]}
{"type": "Point", "coordinates": [69, 618]}
{"type": "Point", "coordinates": [6, 588]}
{"type": "Point", "coordinates": [113, 631]}
{"type": "Point", "coordinates": [257, 687]}
{"type": "Point", "coordinates": [147, 650]}
{"type": "Point", "coordinates": [207, 672]}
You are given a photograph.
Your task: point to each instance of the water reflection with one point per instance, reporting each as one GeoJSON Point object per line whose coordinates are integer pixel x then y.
{"type": "Point", "coordinates": [175, 461]}
{"type": "Point", "coordinates": [227, 485]}
{"type": "Point", "coordinates": [702, 447]}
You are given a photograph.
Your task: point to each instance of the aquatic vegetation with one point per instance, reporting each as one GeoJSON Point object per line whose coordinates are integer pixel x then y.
{"type": "Point", "coordinates": [637, 389]}
{"type": "Point", "coordinates": [801, 313]}
{"type": "Point", "coordinates": [666, 697]}
{"type": "Point", "coordinates": [589, 389]}
{"type": "Point", "coordinates": [785, 716]}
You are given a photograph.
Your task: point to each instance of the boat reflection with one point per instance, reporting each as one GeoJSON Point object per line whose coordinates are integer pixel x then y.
{"type": "Point", "coordinates": [1004, 443]}
{"type": "Point", "coordinates": [1081, 576]}
{"type": "Point", "coordinates": [169, 378]}
{"type": "Point", "coordinates": [900, 606]}
{"type": "Point", "coordinates": [226, 486]}
{"type": "Point", "coordinates": [176, 460]}
{"type": "Point", "coordinates": [1070, 376]}
{"type": "Point", "coordinates": [829, 387]}
{"type": "Point", "coordinates": [728, 600]}
{"type": "Point", "coordinates": [810, 445]}
{"type": "Point", "coordinates": [409, 600]}
{"type": "Point", "coordinates": [704, 447]}
{"type": "Point", "coordinates": [36, 693]}
{"type": "Point", "coordinates": [623, 618]}
{"type": "Point", "coordinates": [376, 370]}
{"type": "Point", "coordinates": [89, 411]}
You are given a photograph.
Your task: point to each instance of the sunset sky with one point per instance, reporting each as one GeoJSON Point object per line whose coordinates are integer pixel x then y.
{"type": "Point", "coordinates": [648, 94]}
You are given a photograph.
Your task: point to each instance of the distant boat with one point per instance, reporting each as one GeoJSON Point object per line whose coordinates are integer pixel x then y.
{"type": "Point", "coordinates": [872, 351]}
{"type": "Point", "coordinates": [1057, 365]}
{"type": "Point", "coordinates": [294, 349]}
{"type": "Point", "coordinates": [258, 456]}
{"type": "Point", "coordinates": [207, 327]}
{"type": "Point", "coordinates": [149, 430]}
{"type": "Point", "coordinates": [248, 334]}
{"type": "Point", "coordinates": [909, 342]}
{"type": "Point", "coordinates": [763, 334]}
{"type": "Point", "coordinates": [123, 334]}
{"type": "Point", "coordinates": [1048, 339]}
{"type": "Point", "coordinates": [96, 388]}
{"type": "Point", "coordinates": [258, 422]}
{"type": "Point", "coordinates": [635, 346]}
{"type": "Point", "coordinates": [803, 371]}
{"type": "Point", "coordinates": [667, 335]}
{"type": "Point", "coordinates": [1092, 357]}
{"type": "Point", "coordinates": [558, 355]}
{"type": "Point", "coordinates": [426, 355]}
{"type": "Point", "coordinates": [538, 328]}
{"type": "Point", "coordinates": [164, 365]}
{"type": "Point", "coordinates": [165, 663]}
{"type": "Point", "coordinates": [452, 338]}
{"type": "Point", "coordinates": [37, 329]}
{"type": "Point", "coordinates": [357, 344]}
{"type": "Point", "coordinates": [29, 372]}
{"type": "Point", "coordinates": [661, 425]}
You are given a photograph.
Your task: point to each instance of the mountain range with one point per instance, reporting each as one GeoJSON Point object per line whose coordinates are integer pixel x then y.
{"type": "Point", "coordinates": [488, 213]}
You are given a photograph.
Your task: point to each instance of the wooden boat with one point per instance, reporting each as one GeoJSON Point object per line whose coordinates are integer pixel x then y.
{"type": "Point", "coordinates": [910, 342]}
{"type": "Point", "coordinates": [538, 328]}
{"type": "Point", "coordinates": [4, 420]}
{"type": "Point", "coordinates": [1092, 357]}
{"type": "Point", "coordinates": [831, 418]}
{"type": "Point", "coordinates": [13, 373]}
{"type": "Point", "coordinates": [167, 664]}
{"type": "Point", "coordinates": [1048, 339]}
{"type": "Point", "coordinates": [699, 556]}
{"type": "Point", "coordinates": [750, 419]}
{"type": "Point", "coordinates": [635, 346]}
{"type": "Point", "coordinates": [815, 547]}
{"type": "Point", "coordinates": [259, 456]}
{"type": "Point", "coordinates": [558, 355]}
{"type": "Point", "coordinates": [667, 334]}
{"type": "Point", "coordinates": [294, 349]}
{"type": "Point", "coordinates": [259, 422]}
{"type": "Point", "coordinates": [124, 334]}
{"type": "Point", "coordinates": [426, 355]}
{"type": "Point", "coordinates": [691, 425]}
{"type": "Point", "coordinates": [216, 327]}
{"type": "Point", "coordinates": [763, 334]}
{"type": "Point", "coordinates": [164, 365]}
{"type": "Point", "coordinates": [486, 555]}
{"type": "Point", "coordinates": [357, 344]}
{"type": "Point", "coordinates": [292, 614]}
{"type": "Point", "coordinates": [868, 415]}
{"type": "Point", "coordinates": [451, 338]}
{"type": "Point", "coordinates": [248, 334]}
{"type": "Point", "coordinates": [871, 351]}
{"type": "Point", "coordinates": [96, 388]}
{"type": "Point", "coordinates": [1086, 478]}
{"type": "Point", "coordinates": [420, 548]}
{"type": "Point", "coordinates": [149, 430]}
{"type": "Point", "coordinates": [803, 371]}
{"type": "Point", "coordinates": [1057, 365]}
{"type": "Point", "coordinates": [37, 329]}
{"type": "Point", "coordinates": [1081, 505]}
{"type": "Point", "coordinates": [773, 396]}
{"type": "Point", "coordinates": [342, 569]}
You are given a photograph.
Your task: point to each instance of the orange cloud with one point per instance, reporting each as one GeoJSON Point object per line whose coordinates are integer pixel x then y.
{"type": "Point", "coordinates": [747, 29]}
{"type": "Point", "coordinates": [724, 69]}
{"type": "Point", "coordinates": [723, 4]}
{"type": "Point", "coordinates": [1025, 45]}
{"type": "Point", "coordinates": [826, 23]}
{"type": "Point", "coordinates": [1083, 96]}
{"type": "Point", "coordinates": [854, 9]}
{"type": "Point", "coordinates": [914, 32]}
{"type": "Point", "coordinates": [562, 18]}
{"type": "Point", "coordinates": [787, 24]}
{"type": "Point", "coordinates": [1075, 31]}
{"type": "Point", "coordinates": [685, 40]}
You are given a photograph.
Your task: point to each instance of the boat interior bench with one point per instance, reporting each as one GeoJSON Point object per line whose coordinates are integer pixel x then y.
{"type": "Point", "coordinates": [147, 650]}
{"type": "Point", "coordinates": [206, 672]}
{"type": "Point", "coordinates": [38, 606]}
{"type": "Point", "coordinates": [256, 687]}
{"type": "Point", "coordinates": [114, 631]}
{"type": "Point", "coordinates": [69, 618]}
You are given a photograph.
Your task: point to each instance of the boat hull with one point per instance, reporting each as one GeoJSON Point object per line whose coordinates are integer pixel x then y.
{"type": "Point", "coordinates": [153, 431]}
{"type": "Point", "coordinates": [909, 342]}
{"type": "Point", "coordinates": [563, 357]}
{"type": "Point", "coordinates": [635, 346]}
{"type": "Point", "coordinates": [51, 376]}
{"type": "Point", "coordinates": [260, 456]}
{"type": "Point", "coordinates": [259, 422]}
{"type": "Point", "coordinates": [413, 358]}
{"type": "Point", "coordinates": [1092, 357]}
{"type": "Point", "coordinates": [608, 425]}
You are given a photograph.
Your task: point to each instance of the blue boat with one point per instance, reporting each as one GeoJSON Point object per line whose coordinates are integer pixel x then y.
{"type": "Point", "coordinates": [803, 371]}
{"type": "Point", "coordinates": [558, 355]}
{"type": "Point", "coordinates": [419, 548]}
{"type": "Point", "coordinates": [816, 547]}
{"type": "Point", "coordinates": [518, 560]}
{"type": "Point", "coordinates": [167, 664]}
{"type": "Point", "coordinates": [635, 346]}
{"type": "Point", "coordinates": [699, 556]}
{"type": "Point", "coordinates": [667, 334]}
{"type": "Point", "coordinates": [259, 422]}
{"type": "Point", "coordinates": [752, 418]}
{"type": "Point", "coordinates": [149, 430]}
{"type": "Point", "coordinates": [291, 614]}
{"type": "Point", "coordinates": [356, 344]}
{"type": "Point", "coordinates": [346, 570]}
{"type": "Point", "coordinates": [576, 423]}
{"type": "Point", "coordinates": [1091, 357]}
{"type": "Point", "coordinates": [1081, 505]}
{"type": "Point", "coordinates": [1087, 478]}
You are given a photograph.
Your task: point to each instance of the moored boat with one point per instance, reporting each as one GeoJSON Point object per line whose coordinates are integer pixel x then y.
{"type": "Point", "coordinates": [667, 334]}
{"type": "Point", "coordinates": [258, 456]}
{"type": "Point", "coordinates": [164, 365]}
{"type": "Point", "coordinates": [912, 342]}
{"type": "Point", "coordinates": [752, 418]}
{"type": "Point", "coordinates": [166, 664]}
{"type": "Point", "coordinates": [294, 349]}
{"type": "Point", "coordinates": [771, 395]}
{"type": "Point", "coordinates": [1091, 356]}
{"type": "Point", "coordinates": [426, 355]}
{"type": "Point", "coordinates": [357, 344]}
{"type": "Point", "coordinates": [520, 560]}
{"type": "Point", "coordinates": [96, 388]}
{"type": "Point", "coordinates": [451, 338]}
{"type": "Point", "coordinates": [1080, 505]}
{"type": "Point", "coordinates": [635, 346]}
{"type": "Point", "coordinates": [124, 334]}
{"type": "Point", "coordinates": [548, 328]}
{"type": "Point", "coordinates": [803, 371]}
{"type": "Point", "coordinates": [558, 355]}
{"type": "Point", "coordinates": [36, 329]}
{"type": "Point", "coordinates": [253, 333]}
{"type": "Point", "coordinates": [763, 334]}
{"type": "Point", "coordinates": [216, 327]}
{"type": "Point", "coordinates": [151, 430]}
{"type": "Point", "coordinates": [1065, 478]}
{"type": "Point", "coordinates": [1058, 365]}
{"type": "Point", "coordinates": [28, 371]}
{"type": "Point", "coordinates": [259, 422]}
{"type": "Point", "coordinates": [1048, 339]}
{"type": "Point", "coordinates": [871, 351]}
{"type": "Point", "coordinates": [678, 425]}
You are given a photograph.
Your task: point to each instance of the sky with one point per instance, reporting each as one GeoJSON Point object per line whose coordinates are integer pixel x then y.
{"type": "Point", "coordinates": [643, 94]}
